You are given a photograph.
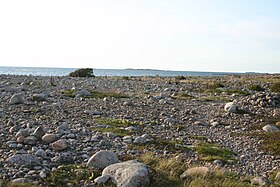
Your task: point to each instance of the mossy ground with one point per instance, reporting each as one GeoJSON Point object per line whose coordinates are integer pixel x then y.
{"type": "Point", "coordinates": [115, 126]}
{"type": "Point", "coordinates": [211, 152]}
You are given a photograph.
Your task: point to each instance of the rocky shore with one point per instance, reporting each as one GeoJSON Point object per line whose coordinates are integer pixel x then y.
{"type": "Point", "coordinates": [50, 122]}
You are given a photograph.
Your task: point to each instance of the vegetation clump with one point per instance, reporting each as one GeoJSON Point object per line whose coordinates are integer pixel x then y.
{"type": "Point", "coordinates": [215, 85]}
{"type": "Point", "coordinates": [210, 152]}
{"type": "Point", "coordinates": [165, 172]}
{"type": "Point", "coordinates": [115, 126]}
{"type": "Point", "coordinates": [271, 141]}
{"type": "Point", "coordinates": [68, 174]}
{"type": "Point", "coordinates": [83, 72]}
{"type": "Point", "coordinates": [256, 87]}
{"type": "Point", "coordinates": [275, 87]}
{"type": "Point", "coordinates": [180, 77]}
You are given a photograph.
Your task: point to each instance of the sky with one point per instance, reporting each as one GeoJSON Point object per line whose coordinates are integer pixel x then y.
{"type": "Point", "coordinates": [186, 35]}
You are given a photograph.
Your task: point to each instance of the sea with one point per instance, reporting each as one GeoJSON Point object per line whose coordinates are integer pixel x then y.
{"type": "Point", "coordinates": [40, 71]}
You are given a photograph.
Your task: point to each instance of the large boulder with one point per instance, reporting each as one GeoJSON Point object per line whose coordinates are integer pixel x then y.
{"type": "Point", "coordinates": [102, 159]}
{"type": "Point", "coordinates": [270, 128]}
{"type": "Point", "coordinates": [128, 174]}
{"type": "Point", "coordinates": [59, 145]}
{"type": "Point", "coordinates": [195, 172]}
{"type": "Point", "coordinates": [260, 181]}
{"type": "Point", "coordinates": [16, 99]}
{"type": "Point", "coordinates": [23, 159]}
{"type": "Point", "coordinates": [231, 107]}
{"type": "Point", "coordinates": [50, 138]}
{"type": "Point", "coordinates": [39, 97]}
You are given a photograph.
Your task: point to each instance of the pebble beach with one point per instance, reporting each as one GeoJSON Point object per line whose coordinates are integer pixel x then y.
{"type": "Point", "coordinates": [47, 122]}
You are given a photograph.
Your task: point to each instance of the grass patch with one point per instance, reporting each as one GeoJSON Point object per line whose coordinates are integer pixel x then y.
{"type": "Point", "coordinates": [256, 87]}
{"type": "Point", "coordinates": [211, 152]}
{"type": "Point", "coordinates": [115, 122]}
{"type": "Point", "coordinates": [115, 126]}
{"type": "Point", "coordinates": [115, 130]}
{"type": "Point", "coordinates": [68, 93]}
{"type": "Point", "coordinates": [271, 141]}
{"type": "Point", "coordinates": [215, 85]}
{"type": "Point", "coordinates": [165, 172]}
{"type": "Point", "coordinates": [275, 87]}
{"type": "Point", "coordinates": [68, 174]}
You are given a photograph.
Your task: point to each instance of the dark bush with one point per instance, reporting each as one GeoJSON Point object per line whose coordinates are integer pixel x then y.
{"type": "Point", "coordinates": [215, 85]}
{"type": "Point", "coordinates": [256, 87]}
{"type": "Point", "coordinates": [275, 87]}
{"type": "Point", "coordinates": [180, 77]}
{"type": "Point", "coordinates": [83, 72]}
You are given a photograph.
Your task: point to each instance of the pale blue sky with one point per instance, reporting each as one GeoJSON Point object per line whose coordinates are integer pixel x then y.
{"type": "Point", "coordinates": [191, 35]}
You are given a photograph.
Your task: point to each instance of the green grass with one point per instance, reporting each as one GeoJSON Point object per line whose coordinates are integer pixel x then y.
{"type": "Point", "coordinates": [69, 93]}
{"type": "Point", "coordinates": [165, 172]}
{"type": "Point", "coordinates": [256, 87]}
{"type": "Point", "coordinates": [115, 122]}
{"type": "Point", "coordinates": [68, 174]}
{"type": "Point", "coordinates": [116, 126]}
{"type": "Point", "coordinates": [275, 87]}
{"type": "Point", "coordinates": [211, 152]}
{"type": "Point", "coordinates": [271, 141]}
{"type": "Point", "coordinates": [115, 130]}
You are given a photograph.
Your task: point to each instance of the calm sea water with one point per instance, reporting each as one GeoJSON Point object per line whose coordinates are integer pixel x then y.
{"type": "Point", "coordinates": [101, 72]}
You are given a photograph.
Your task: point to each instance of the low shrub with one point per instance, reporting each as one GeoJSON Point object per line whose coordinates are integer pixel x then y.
{"type": "Point", "coordinates": [256, 87]}
{"type": "Point", "coordinates": [83, 72]}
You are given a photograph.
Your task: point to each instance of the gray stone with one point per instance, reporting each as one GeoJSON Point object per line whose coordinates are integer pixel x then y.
{"type": "Point", "coordinates": [39, 132]}
{"type": "Point", "coordinates": [42, 174]}
{"type": "Point", "coordinates": [20, 180]}
{"type": "Point", "coordinates": [16, 99]}
{"type": "Point", "coordinates": [102, 159]}
{"type": "Point", "coordinates": [128, 174]}
{"type": "Point", "coordinates": [102, 179]}
{"type": "Point", "coordinates": [63, 158]}
{"type": "Point", "coordinates": [230, 107]}
{"type": "Point", "coordinates": [140, 140]}
{"type": "Point", "coordinates": [92, 112]}
{"type": "Point", "coordinates": [59, 145]}
{"type": "Point", "coordinates": [63, 128]}
{"type": "Point", "coordinates": [50, 138]}
{"type": "Point", "coordinates": [41, 153]}
{"type": "Point", "coordinates": [270, 128]}
{"type": "Point", "coordinates": [22, 159]}
{"type": "Point", "coordinates": [30, 140]}
{"type": "Point", "coordinates": [260, 181]}
{"type": "Point", "coordinates": [23, 132]}
{"type": "Point", "coordinates": [39, 97]}
{"type": "Point", "coordinates": [196, 171]}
